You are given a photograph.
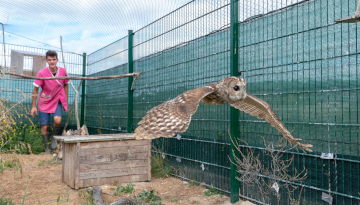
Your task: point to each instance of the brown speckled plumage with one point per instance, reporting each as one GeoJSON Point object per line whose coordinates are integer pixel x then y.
{"type": "Point", "coordinates": [174, 116]}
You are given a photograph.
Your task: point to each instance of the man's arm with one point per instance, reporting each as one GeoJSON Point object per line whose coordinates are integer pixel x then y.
{"type": "Point", "coordinates": [34, 97]}
{"type": "Point", "coordinates": [66, 88]}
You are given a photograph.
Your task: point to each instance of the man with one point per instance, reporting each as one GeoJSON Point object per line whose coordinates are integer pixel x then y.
{"type": "Point", "coordinates": [53, 96]}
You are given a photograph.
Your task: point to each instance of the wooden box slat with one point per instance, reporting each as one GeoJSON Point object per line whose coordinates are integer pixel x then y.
{"type": "Point", "coordinates": [113, 165]}
{"type": "Point", "coordinates": [128, 149]}
{"type": "Point", "coordinates": [123, 179]}
{"type": "Point", "coordinates": [114, 143]}
{"type": "Point", "coordinates": [94, 138]}
{"type": "Point", "coordinates": [113, 172]}
{"type": "Point", "coordinates": [93, 162]}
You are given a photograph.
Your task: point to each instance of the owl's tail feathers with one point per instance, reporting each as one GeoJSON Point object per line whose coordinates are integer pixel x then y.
{"type": "Point", "coordinates": [144, 133]}
{"type": "Point", "coordinates": [140, 134]}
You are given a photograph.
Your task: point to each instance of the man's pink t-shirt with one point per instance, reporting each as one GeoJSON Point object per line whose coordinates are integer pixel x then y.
{"type": "Point", "coordinates": [52, 91]}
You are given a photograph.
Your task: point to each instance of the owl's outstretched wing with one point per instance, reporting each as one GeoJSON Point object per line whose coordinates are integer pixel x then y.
{"type": "Point", "coordinates": [172, 116]}
{"type": "Point", "coordinates": [259, 108]}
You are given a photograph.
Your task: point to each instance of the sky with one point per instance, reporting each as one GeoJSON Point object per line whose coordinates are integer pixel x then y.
{"type": "Point", "coordinates": [88, 25]}
{"type": "Point", "coordinates": [85, 25]}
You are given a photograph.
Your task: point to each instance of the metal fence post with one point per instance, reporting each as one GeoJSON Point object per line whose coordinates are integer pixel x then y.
{"type": "Point", "coordinates": [82, 117]}
{"type": "Point", "coordinates": [130, 92]}
{"type": "Point", "coordinates": [234, 113]}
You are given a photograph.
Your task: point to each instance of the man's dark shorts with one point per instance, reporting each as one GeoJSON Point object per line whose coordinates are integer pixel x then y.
{"type": "Point", "coordinates": [45, 117]}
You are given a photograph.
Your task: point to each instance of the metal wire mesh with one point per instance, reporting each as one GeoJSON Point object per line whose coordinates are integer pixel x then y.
{"type": "Point", "coordinates": [291, 54]}
{"type": "Point", "coordinates": [305, 66]}
{"type": "Point", "coordinates": [107, 100]}
{"type": "Point", "coordinates": [14, 89]}
{"type": "Point", "coordinates": [186, 49]}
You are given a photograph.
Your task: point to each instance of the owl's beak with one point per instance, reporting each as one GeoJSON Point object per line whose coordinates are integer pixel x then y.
{"type": "Point", "coordinates": [244, 96]}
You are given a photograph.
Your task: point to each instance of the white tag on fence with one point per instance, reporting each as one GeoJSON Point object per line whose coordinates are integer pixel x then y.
{"type": "Point", "coordinates": [202, 167]}
{"type": "Point", "coordinates": [276, 187]}
{"type": "Point", "coordinates": [327, 197]}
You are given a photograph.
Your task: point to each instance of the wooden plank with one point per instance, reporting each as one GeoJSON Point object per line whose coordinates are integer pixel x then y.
{"type": "Point", "coordinates": [112, 165]}
{"type": "Point", "coordinates": [110, 150]}
{"type": "Point", "coordinates": [113, 172]}
{"type": "Point", "coordinates": [113, 157]}
{"type": "Point", "coordinates": [66, 167]}
{"type": "Point", "coordinates": [95, 138]}
{"type": "Point", "coordinates": [76, 165]}
{"type": "Point", "coordinates": [63, 162]}
{"type": "Point", "coordinates": [113, 143]}
{"type": "Point", "coordinates": [69, 174]}
{"type": "Point", "coordinates": [111, 180]}
{"type": "Point", "coordinates": [149, 161]}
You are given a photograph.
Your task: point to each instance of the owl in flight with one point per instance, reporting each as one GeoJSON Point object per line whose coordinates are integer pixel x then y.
{"type": "Point", "coordinates": [173, 116]}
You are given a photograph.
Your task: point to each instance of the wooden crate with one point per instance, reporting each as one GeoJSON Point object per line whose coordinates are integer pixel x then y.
{"type": "Point", "coordinates": [101, 159]}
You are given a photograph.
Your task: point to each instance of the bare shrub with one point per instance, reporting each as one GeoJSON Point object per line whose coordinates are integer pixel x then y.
{"type": "Point", "coordinates": [275, 178]}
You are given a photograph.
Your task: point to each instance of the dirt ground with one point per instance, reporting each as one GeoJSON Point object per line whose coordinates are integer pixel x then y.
{"type": "Point", "coordinates": [46, 186]}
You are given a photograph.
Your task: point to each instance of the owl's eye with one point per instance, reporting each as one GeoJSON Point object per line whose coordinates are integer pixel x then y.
{"type": "Point", "coordinates": [236, 88]}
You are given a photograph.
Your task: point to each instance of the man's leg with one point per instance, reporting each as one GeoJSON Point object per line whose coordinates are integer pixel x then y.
{"type": "Point", "coordinates": [44, 122]}
{"type": "Point", "coordinates": [57, 124]}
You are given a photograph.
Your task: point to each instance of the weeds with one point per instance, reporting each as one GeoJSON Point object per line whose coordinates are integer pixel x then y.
{"type": "Point", "coordinates": [6, 201]}
{"type": "Point", "coordinates": [129, 188]}
{"type": "Point", "coordinates": [23, 140]}
{"type": "Point", "coordinates": [149, 197]}
{"type": "Point", "coordinates": [159, 165]}
{"type": "Point", "coordinates": [10, 110]}
{"type": "Point", "coordinates": [18, 137]}
{"type": "Point", "coordinates": [87, 196]}
{"type": "Point", "coordinates": [55, 161]}
{"type": "Point", "coordinates": [172, 199]}
{"type": "Point", "coordinates": [10, 161]}
{"type": "Point", "coordinates": [211, 191]}
{"type": "Point", "coordinates": [194, 183]}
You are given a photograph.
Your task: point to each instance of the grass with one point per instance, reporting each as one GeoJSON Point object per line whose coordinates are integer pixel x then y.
{"type": "Point", "coordinates": [22, 139]}
{"type": "Point", "coordinates": [11, 162]}
{"type": "Point", "coordinates": [149, 197]}
{"type": "Point", "coordinates": [6, 201]}
{"type": "Point", "coordinates": [212, 191]}
{"type": "Point", "coordinates": [87, 196]}
{"type": "Point", "coordinates": [54, 161]}
{"type": "Point", "coordinates": [194, 183]}
{"type": "Point", "coordinates": [129, 188]}
{"type": "Point", "coordinates": [160, 167]}
{"type": "Point", "coordinates": [172, 199]}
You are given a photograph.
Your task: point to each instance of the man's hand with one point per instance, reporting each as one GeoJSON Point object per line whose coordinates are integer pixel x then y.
{"type": "Point", "coordinates": [33, 107]}
{"type": "Point", "coordinates": [33, 111]}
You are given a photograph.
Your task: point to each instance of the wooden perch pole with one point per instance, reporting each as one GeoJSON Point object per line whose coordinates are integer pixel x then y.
{"type": "Point", "coordinates": [76, 91]}
{"type": "Point", "coordinates": [72, 107]}
{"type": "Point", "coordinates": [137, 75]}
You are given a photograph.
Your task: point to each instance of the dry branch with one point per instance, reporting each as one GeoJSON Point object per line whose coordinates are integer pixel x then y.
{"type": "Point", "coordinates": [253, 171]}
{"type": "Point", "coordinates": [137, 75]}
